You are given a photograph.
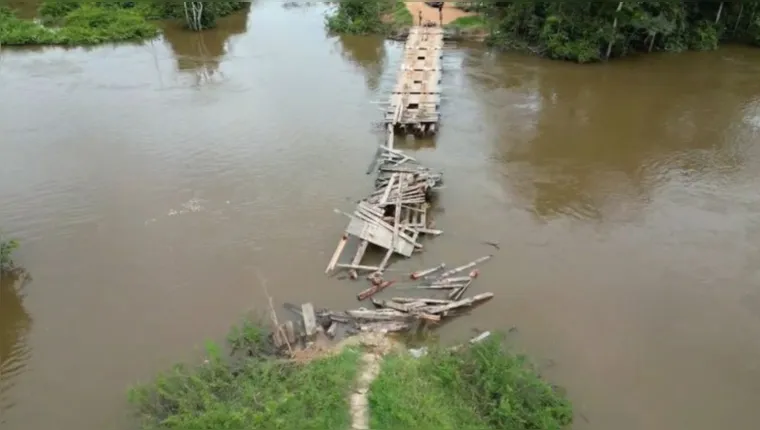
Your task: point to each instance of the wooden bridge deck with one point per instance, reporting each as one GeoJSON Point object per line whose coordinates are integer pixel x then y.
{"type": "Point", "coordinates": [416, 97]}
{"type": "Point", "coordinates": [394, 215]}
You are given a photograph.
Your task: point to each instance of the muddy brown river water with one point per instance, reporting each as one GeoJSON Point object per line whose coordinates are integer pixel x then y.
{"type": "Point", "coordinates": [149, 184]}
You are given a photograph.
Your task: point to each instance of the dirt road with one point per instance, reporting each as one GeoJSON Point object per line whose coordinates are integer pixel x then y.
{"type": "Point", "coordinates": [450, 13]}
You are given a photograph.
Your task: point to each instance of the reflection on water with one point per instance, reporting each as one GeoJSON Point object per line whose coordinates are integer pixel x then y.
{"type": "Point", "coordinates": [201, 53]}
{"type": "Point", "coordinates": [367, 53]}
{"type": "Point", "coordinates": [576, 139]}
{"type": "Point", "coordinates": [15, 323]}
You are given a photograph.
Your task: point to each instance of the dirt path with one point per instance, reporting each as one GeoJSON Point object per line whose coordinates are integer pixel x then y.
{"type": "Point", "coordinates": [450, 13]}
{"type": "Point", "coordinates": [375, 346]}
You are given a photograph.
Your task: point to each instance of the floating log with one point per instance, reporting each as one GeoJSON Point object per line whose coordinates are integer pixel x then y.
{"type": "Point", "coordinates": [456, 270]}
{"type": "Point", "coordinates": [426, 272]}
{"type": "Point", "coordinates": [371, 291]}
{"type": "Point", "coordinates": [418, 299]}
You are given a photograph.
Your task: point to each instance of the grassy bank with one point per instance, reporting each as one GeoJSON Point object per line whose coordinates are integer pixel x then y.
{"type": "Point", "coordinates": [368, 17]}
{"type": "Point", "coordinates": [85, 25]}
{"type": "Point", "coordinates": [480, 387]}
{"type": "Point", "coordinates": [250, 389]}
{"type": "Point", "coordinates": [91, 23]}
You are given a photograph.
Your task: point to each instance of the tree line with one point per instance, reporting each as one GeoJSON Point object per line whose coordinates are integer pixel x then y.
{"type": "Point", "coordinates": [594, 31]}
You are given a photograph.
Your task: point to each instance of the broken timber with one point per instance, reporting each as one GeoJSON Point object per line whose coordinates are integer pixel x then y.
{"type": "Point", "coordinates": [394, 215]}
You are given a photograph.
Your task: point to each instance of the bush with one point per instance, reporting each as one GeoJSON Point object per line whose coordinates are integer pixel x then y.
{"type": "Point", "coordinates": [87, 24]}
{"type": "Point", "coordinates": [368, 17]}
{"type": "Point", "coordinates": [256, 391]}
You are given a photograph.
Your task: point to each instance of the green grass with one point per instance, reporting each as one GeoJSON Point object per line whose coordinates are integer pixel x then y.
{"type": "Point", "coordinates": [91, 23]}
{"type": "Point", "coordinates": [85, 25]}
{"type": "Point", "coordinates": [473, 22]}
{"type": "Point", "coordinates": [481, 387]}
{"type": "Point", "coordinates": [250, 392]}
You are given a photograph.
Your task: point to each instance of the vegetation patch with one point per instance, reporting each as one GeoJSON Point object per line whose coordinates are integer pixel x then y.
{"type": "Point", "coordinates": [594, 31]}
{"type": "Point", "coordinates": [250, 388]}
{"type": "Point", "coordinates": [7, 247]}
{"type": "Point", "coordinates": [483, 386]}
{"type": "Point", "coordinates": [368, 17]}
{"type": "Point", "coordinates": [473, 22]}
{"type": "Point", "coordinates": [90, 23]}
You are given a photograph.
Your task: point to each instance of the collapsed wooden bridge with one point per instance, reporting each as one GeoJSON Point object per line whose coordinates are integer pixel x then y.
{"type": "Point", "coordinates": [394, 216]}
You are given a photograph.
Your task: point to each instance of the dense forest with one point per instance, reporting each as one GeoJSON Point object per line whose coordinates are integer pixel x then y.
{"type": "Point", "coordinates": [587, 31]}
{"type": "Point", "coordinates": [93, 22]}
{"type": "Point", "coordinates": [593, 31]}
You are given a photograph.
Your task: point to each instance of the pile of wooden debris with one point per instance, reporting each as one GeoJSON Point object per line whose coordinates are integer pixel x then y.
{"type": "Point", "coordinates": [394, 215]}
{"type": "Point", "coordinates": [396, 314]}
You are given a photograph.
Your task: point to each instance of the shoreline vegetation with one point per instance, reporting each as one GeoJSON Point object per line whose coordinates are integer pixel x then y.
{"type": "Point", "coordinates": [364, 378]}
{"type": "Point", "coordinates": [93, 23]}
{"type": "Point", "coordinates": [7, 247]}
{"type": "Point", "coordinates": [369, 17]}
{"type": "Point", "coordinates": [584, 32]}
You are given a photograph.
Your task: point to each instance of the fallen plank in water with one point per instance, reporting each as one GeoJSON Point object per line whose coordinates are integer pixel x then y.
{"type": "Point", "coordinates": [421, 299]}
{"type": "Point", "coordinates": [378, 315]}
{"type": "Point", "coordinates": [459, 304]}
{"type": "Point", "coordinates": [387, 327]}
{"type": "Point", "coordinates": [456, 270]}
{"type": "Point", "coordinates": [371, 291]}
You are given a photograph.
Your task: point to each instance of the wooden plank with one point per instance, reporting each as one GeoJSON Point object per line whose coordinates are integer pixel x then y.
{"type": "Point", "coordinates": [290, 332]}
{"type": "Point", "coordinates": [379, 236]}
{"type": "Point", "coordinates": [332, 329]}
{"type": "Point", "coordinates": [337, 253]}
{"type": "Point", "coordinates": [360, 251]}
{"type": "Point", "coordinates": [459, 304]}
{"type": "Point", "coordinates": [309, 319]}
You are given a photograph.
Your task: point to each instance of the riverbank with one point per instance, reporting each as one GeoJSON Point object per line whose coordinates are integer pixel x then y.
{"type": "Point", "coordinates": [91, 23]}
{"type": "Point", "coordinates": [365, 379]}
{"type": "Point", "coordinates": [573, 34]}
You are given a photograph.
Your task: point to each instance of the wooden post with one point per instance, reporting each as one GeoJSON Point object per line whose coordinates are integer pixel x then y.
{"type": "Point", "coordinates": [309, 319]}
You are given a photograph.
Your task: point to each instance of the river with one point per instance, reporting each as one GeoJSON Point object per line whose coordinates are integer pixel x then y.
{"type": "Point", "coordinates": [152, 184]}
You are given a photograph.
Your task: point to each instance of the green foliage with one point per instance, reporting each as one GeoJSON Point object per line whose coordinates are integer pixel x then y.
{"type": "Point", "coordinates": [368, 16]}
{"type": "Point", "coordinates": [252, 392]}
{"type": "Point", "coordinates": [57, 9]}
{"type": "Point", "coordinates": [469, 22]}
{"type": "Point", "coordinates": [249, 338]}
{"type": "Point", "coordinates": [7, 248]}
{"type": "Point", "coordinates": [86, 24]}
{"type": "Point", "coordinates": [480, 387]}
{"type": "Point", "coordinates": [211, 11]}
{"type": "Point", "coordinates": [92, 22]}
{"type": "Point", "coordinates": [588, 31]}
